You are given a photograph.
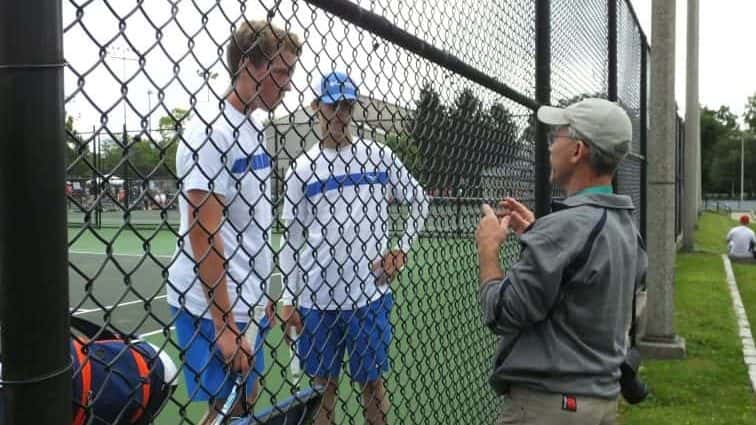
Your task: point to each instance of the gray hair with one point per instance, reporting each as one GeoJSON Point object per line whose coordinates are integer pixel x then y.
{"type": "Point", "coordinates": [600, 161]}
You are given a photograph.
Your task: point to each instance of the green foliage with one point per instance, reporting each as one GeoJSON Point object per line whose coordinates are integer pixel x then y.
{"type": "Point", "coordinates": [141, 156]}
{"type": "Point", "coordinates": [458, 143]}
{"type": "Point", "coordinates": [721, 152]}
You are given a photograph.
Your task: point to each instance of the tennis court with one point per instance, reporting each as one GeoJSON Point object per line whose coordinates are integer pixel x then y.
{"type": "Point", "coordinates": [118, 276]}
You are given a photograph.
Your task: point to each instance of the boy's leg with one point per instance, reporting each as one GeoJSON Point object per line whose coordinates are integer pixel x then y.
{"type": "Point", "coordinates": [327, 410]}
{"type": "Point", "coordinates": [370, 335]}
{"type": "Point", "coordinates": [321, 352]}
{"type": "Point", "coordinates": [375, 404]}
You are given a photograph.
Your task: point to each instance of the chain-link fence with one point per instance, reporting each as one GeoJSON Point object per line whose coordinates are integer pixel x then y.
{"type": "Point", "coordinates": [679, 175]}
{"type": "Point", "coordinates": [352, 202]}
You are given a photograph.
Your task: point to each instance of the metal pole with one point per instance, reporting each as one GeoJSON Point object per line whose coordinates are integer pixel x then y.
{"type": "Point", "coordinates": [692, 132]}
{"type": "Point", "coordinates": [612, 50]}
{"type": "Point", "coordinates": [123, 76]}
{"type": "Point", "coordinates": [644, 134]}
{"type": "Point", "coordinates": [149, 112]}
{"type": "Point", "coordinates": [612, 30]}
{"type": "Point", "coordinates": [122, 50]}
{"type": "Point", "coordinates": [92, 190]}
{"type": "Point", "coordinates": [742, 170]}
{"type": "Point", "coordinates": [33, 239]}
{"type": "Point", "coordinates": [126, 182]}
{"type": "Point", "coordinates": [543, 97]}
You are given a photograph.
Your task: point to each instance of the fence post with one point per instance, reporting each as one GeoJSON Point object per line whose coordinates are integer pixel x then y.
{"type": "Point", "coordinates": [33, 260]}
{"type": "Point", "coordinates": [691, 171]}
{"type": "Point", "coordinates": [660, 339]}
{"type": "Point", "coordinates": [612, 62]}
{"type": "Point", "coordinates": [543, 97]}
{"type": "Point", "coordinates": [644, 133]}
{"type": "Point", "coordinates": [612, 40]}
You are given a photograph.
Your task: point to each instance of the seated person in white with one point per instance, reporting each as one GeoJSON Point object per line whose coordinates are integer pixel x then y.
{"type": "Point", "coordinates": [741, 241]}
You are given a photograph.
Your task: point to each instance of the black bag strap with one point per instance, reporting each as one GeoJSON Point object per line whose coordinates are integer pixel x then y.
{"type": "Point", "coordinates": [633, 322]}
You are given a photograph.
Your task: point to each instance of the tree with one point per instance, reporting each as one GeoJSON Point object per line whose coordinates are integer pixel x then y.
{"type": "Point", "coordinates": [458, 145]}
{"type": "Point", "coordinates": [143, 157]}
{"type": "Point", "coordinates": [407, 151]}
{"type": "Point", "coordinates": [171, 128]}
{"type": "Point", "coordinates": [426, 128]}
{"type": "Point", "coordinates": [749, 116]}
{"type": "Point", "coordinates": [720, 150]}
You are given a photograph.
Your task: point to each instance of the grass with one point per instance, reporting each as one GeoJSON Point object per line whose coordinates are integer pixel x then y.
{"type": "Point", "coordinates": [711, 385]}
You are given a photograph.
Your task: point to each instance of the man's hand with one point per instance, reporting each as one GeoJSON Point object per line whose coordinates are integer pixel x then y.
{"type": "Point", "coordinates": [291, 320]}
{"type": "Point", "coordinates": [492, 232]}
{"type": "Point", "coordinates": [235, 349]}
{"type": "Point", "coordinates": [519, 215]}
{"type": "Point", "coordinates": [388, 267]}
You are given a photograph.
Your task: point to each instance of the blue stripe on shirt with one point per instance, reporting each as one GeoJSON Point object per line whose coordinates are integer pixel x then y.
{"type": "Point", "coordinates": [254, 162]}
{"type": "Point", "coordinates": [337, 182]}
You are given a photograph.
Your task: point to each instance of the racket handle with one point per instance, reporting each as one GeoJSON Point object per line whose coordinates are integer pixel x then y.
{"type": "Point", "coordinates": [294, 367]}
{"type": "Point", "coordinates": [228, 405]}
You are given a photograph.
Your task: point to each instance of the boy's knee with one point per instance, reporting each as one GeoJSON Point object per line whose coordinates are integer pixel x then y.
{"type": "Point", "coordinates": [373, 387]}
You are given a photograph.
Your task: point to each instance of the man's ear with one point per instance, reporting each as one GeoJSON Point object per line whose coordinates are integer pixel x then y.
{"type": "Point", "coordinates": [577, 152]}
{"type": "Point", "coordinates": [582, 150]}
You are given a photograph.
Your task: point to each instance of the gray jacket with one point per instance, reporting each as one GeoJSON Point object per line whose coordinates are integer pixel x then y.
{"type": "Point", "coordinates": [563, 310]}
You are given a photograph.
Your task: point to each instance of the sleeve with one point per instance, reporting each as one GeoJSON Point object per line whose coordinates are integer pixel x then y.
{"type": "Point", "coordinates": [293, 239]}
{"type": "Point", "coordinates": [203, 164]}
{"type": "Point", "coordinates": [529, 291]}
{"type": "Point", "coordinates": [405, 188]}
{"type": "Point", "coordinates": [729, 235]}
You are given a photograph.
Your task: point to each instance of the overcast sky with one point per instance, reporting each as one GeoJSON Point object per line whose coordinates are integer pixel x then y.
{"type": "Point", "coordinates": [727, 73]}
{"type": "Point", "coordinates": [727, 64]}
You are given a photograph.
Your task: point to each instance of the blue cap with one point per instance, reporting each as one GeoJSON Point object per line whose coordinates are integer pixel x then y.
{"type": "Point", "coordinates": [336, 86]}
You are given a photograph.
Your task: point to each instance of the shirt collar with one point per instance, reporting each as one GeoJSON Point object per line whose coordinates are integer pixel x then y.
{"type": "Point", "coordinates": [595, 189]}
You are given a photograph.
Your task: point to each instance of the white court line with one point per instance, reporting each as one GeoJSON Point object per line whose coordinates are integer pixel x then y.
{"type": "Point", "coordinates": [115, 254]}
{"type": "Point", "coordinates": [159, 331]}
{"type": "Point", "coordinates": [110, 307]}
{"type": "Point", "coordinates": [128, 303]}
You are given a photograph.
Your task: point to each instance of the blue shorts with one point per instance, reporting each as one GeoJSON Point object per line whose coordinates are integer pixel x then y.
{"type": "Point", "coordinates": [205, 371]}
{"type": "Point", "coordinates": [365, 333]}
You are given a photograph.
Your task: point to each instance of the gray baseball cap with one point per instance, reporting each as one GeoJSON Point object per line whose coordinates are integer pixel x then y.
{"type": "Point", "coordinates": [605, 124]}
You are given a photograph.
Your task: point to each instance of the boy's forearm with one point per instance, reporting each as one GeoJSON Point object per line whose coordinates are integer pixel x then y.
{"type": "Point", "coordinates": [212, 274]}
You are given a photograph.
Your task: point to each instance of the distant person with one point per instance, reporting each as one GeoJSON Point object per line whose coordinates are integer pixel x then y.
{"type": "Point", "coordinates": [161, 198]}
{"type": "Point", "coordinates": [741, 241]}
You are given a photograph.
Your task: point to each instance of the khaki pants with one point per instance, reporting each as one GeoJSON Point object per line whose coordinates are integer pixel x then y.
{"type": "Point", "coordinates": [527, 407]}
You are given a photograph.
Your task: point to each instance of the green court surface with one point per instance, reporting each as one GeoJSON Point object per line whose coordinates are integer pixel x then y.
{"type": "Point", "coordinates": [440, 355]}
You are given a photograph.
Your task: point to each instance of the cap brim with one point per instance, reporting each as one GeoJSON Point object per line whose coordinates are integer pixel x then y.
{"type": "Point", "coordinates": [552, 116]}
{"type": "Point", "coordinates": [330, 99]}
